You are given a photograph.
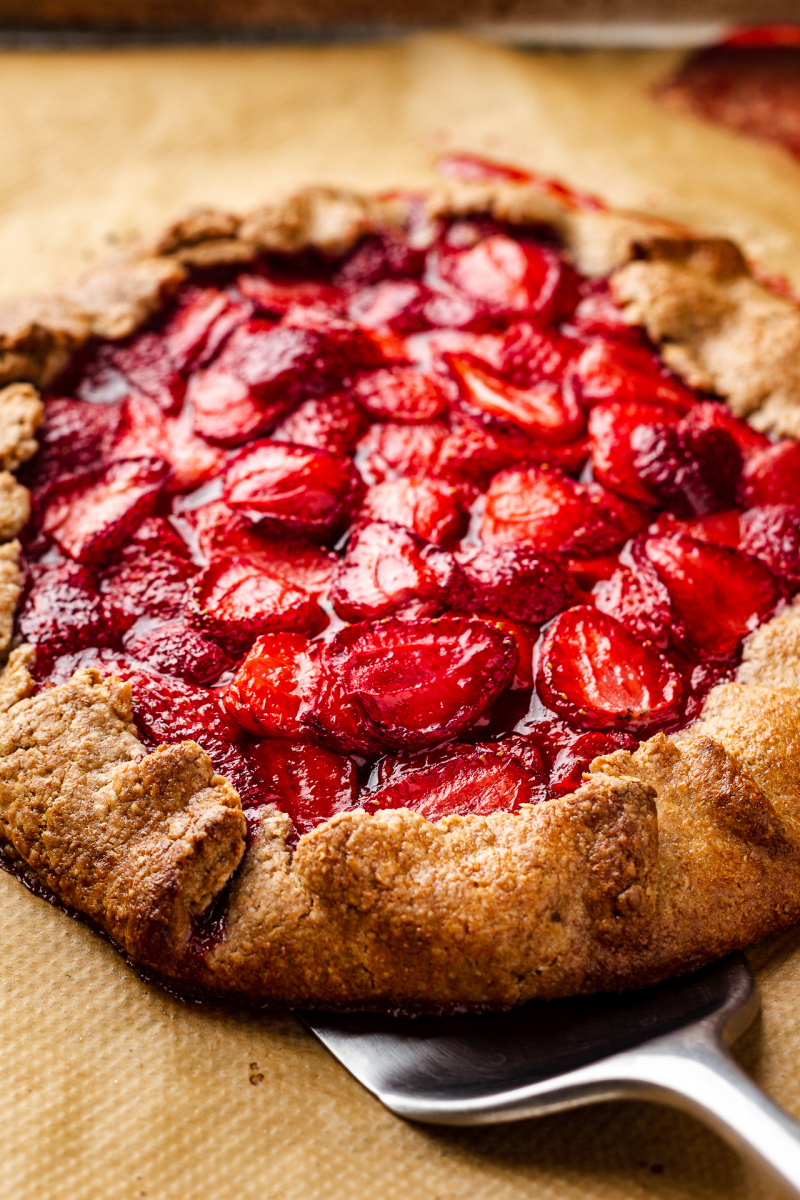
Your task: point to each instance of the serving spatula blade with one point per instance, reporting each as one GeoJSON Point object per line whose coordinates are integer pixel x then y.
{"type": "Point", "coordinates": [665, 1043]}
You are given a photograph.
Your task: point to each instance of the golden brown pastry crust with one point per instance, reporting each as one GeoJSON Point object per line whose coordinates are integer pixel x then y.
{"type": "Point", "coordinates": [663, 859]}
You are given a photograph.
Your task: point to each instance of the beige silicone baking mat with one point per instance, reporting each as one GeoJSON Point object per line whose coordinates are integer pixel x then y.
{"type": "Point", "coordinates": [109, 1088]}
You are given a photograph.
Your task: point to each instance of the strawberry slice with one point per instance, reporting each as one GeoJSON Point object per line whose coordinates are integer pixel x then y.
{"type": "Point", "coordinates": [392, 451]}
{"type": "Point", "coordinates": [62, 612]}
{"type": "Point", "coordinates": [203, 319]}
{"type": "Point", "coordinates": [278, 296]}
{"type": "Point", "coordinates": [622, 370]}
{"type": "Point", "coordinates": [223, 533]}
{"type": "Point", "coordinates": [476, 784]}
{"type": "Point", "coordinates": [772, 533]}
{"type": "Point", "coordinates": [720, 595]}
{"type": "Point", "coordinates": [92, 515]}
{"type": "Point", "coordinates": [525, 636]}
{"type": "Point", "coordinates": [294, 489]}
{"type": "Point", "coordinates": [146, 363]}
{"type": "Point", "coordinates": [177, 649]}
{"type": "Point", "coordinates": [380, 256]}
{"type": "Point", "coordinates": [409, 683]}
{"type": "Point", "coordinates": [515, 581]}
{"type": "Point", "coordinates": [505, 275]}
{"type": "Point", "coordinates": [723, 527]}
{"type": "Point", "coordinates": [612, 426]}
{"type": "Point", "coordinates": [145, 431]}
{"type": "Point", "coordinates": [394, 304]}
{"type": "Point", "coordinates": [333, 422]}
{"type": "Point", "coordinates": [542, 410]}
{"type": "Point", "coordinates": [235, 601]}
{"type": "Point", "coordinates": [266, 693]}
{"type": "Point", "coordinates": [531, 354]}
{"type": "Point", "coordinates": [690, 471]}
{"type": "Point", "coordinates": [556, 515]}
{"type": "Point", "coordinates": [430, 507]}
{"type": "Point", "coordinates": [772, 475]}
{"type": "Point", "coordinates": [150, 575]}
{"type": "Point", "coordinates": [247, 387]}
{"type": "Point", "coordinates": [568, 754]}
{"type": "Point", "coordinates": [74, 437]}
{"type": "Point", "coordinates": [711, 414]}
{"type": "Point", "coordinates": [386, 569]}
{"type": "Point", "coordinates": [594, 672]}
{"type": "Point", "coordinates": [638, 599]}
{"type": "Point", "coordinates": [401, 394]}
{"type": "Point", "coordinates": [310, 782]}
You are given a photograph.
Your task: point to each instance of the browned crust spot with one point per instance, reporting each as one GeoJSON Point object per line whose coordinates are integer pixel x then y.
{"type": "Point", "coordinates": [662, 860]}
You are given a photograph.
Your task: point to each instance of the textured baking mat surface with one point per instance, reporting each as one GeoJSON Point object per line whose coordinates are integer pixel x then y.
{"type": "Point", "coordinates": [110, 1088]}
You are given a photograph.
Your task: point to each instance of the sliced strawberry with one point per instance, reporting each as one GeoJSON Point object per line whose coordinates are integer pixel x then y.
{"type": "Point", "coordinates": [246, 389]}
{"type": "Point", "coordinates": [223, 533]}
{"type": "Point", "coordinates": [178, 649]}
{"type": "Point", "coordinates": [719, 594]}
{"type": "Point", "coordinates": [471, 784]}
{"type": "Point", "coordinates": [146, 363]}
{"type": "Point", "coordinates": [556, 515]}
{"type": "Point", "coordinates": [515, 581]}
{"type": "Point", "coordinates": [525, 636]}
{"type": "Point", "coordinates": [266, 693]}
{"type": "Point", "coordinates": [594, 672]}
{"type": "Point", "coordinates": [203, 319]}
{"type": "Point", "coordinates": [333, 422]}
{"type": "Point", "coordinates": [63, 612]}
{"type": "Point", "coordinates": [92, 515]}
{"type": "Point", "coordinates": [531, 354]}
{"type": "Point", "coordinates": [380, 256]}
{"type": "Point", "coordinates": [392, 451]}
{"type": "Point", "coordinates": [409, 683]}
{"type": "Point", "coordinates": [639, 600]}
{"type": "Point", "coordinates": [569, 754]}
{"type": "Point", "coordinates": [772, 533]}
{"type": "Point", "coordinates": [150, 575]}
{"type": "Point", "coordinates": [394, 304]}
{"type": "Point", "coordinates": [586, 572]}
{"type": "Point", "coordinates": [542, 410]}
{"type": "Point", "coordinates": [235, 601]}
{"type": "Point", "coordinates": [619, 369]}
{"type": "Point", "coordinates": [723, 527]}
{"type": "Point", "coordinates": [278, 296]}
{"type": "Point", "coordinates": [311, 783]}
{"type": "Point", "coordinates": [772, 475]}
{"type": "Point", "coordinates": [74, 438]}
{"type": "Point", "coordinates": [507, 276]}
{"type": "Point", "coordinates": [431, 507]}
{"type": "Point", "coordinates": [296, 489]}
{"type": "Point", "coordinates": [612, 426]}
{"type": "Point", "coordinates": [145, 431]}
{"type": "Point", "coordinates": [711, 414]}
{"type": "Point", "coordinates": [473, 453]}
{"type": "Point", "coordinates": [690, 471]}
{"type": "Point", "coordinates": [388, 569]}
{"type": "Point", "coordinates": [401, 394]}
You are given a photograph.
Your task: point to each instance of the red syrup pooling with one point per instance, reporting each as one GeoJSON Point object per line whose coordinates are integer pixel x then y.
{"type": "Point", "coordinates": [424, 528]}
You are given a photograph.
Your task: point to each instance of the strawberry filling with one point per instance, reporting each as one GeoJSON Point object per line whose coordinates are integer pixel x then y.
{"type": "Point", "coordinates": [425, 528]}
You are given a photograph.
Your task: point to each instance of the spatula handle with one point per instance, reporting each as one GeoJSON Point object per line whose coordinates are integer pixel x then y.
{"type": "Point", "coordinates": [689, 1069]}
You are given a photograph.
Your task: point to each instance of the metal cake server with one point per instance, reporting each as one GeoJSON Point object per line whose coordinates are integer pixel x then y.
{"type": "Point", "coordinates": [665, 1043]}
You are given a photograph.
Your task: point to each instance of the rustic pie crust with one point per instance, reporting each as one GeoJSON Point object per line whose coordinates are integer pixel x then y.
{"type": "Point", "coordinates": [662, 859]}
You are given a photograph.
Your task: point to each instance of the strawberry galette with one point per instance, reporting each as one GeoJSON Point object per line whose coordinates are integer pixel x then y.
{"type": "Point", "coordinates": [401, 606]}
